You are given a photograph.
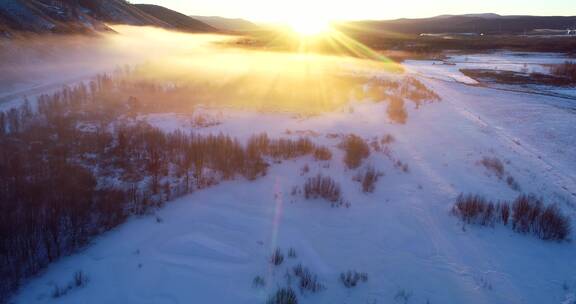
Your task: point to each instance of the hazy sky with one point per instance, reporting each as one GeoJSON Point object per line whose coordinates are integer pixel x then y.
{"type": "Point", "coordinates": [282, 10]}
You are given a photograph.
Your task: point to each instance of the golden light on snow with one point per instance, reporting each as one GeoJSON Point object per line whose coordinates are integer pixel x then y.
{"type": "Point", "coordinates": [217, 72]}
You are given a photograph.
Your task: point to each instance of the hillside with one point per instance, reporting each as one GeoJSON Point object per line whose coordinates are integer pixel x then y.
{"type": "Point", "coordinates": [86, 16]}
{"type": "Point", "coordinates": [119, 11]}
{"type": "Point", "coordinates": [175, 19]}
{"type": "Point", "coordinates": [228, 24]}
{"type": "Point", "coordinates": [41, 17]}
{"type": "Point", "coordinates": [474, 23]}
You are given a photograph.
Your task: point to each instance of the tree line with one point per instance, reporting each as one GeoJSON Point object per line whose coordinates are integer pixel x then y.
{"type": "Point", "coordinates": [71, 168]}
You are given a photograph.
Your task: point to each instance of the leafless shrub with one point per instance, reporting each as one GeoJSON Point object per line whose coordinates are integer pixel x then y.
{"type": "Point", "coordinates": [552, 225]}
{"type": "Point", "coordinates": [493, 165]}
{"type": "Point", "coordinates": [418, 92]}
{"type": "Point", "coordinates": [396, 111]}
{"type": "Point", "coordinates": [283, 296]}
{"type": "Point", "coordinates": [202, 120]}
{"type": "Point", "coordinates": [496, 166]}
{"type": "Point", "coordinates": [375, 145]}
{"type": "Point", "coordinates": [527, 215]}
{"type": "Point", "coordinates": [286, 148]}
{"type": "Point", "coordinates": [258, 282]}
{"type": "Point", "coordinates": [351, 278]}
{"type": "Point", "coordinates": [79, 280]}
{"type": "Point", "coordinates": [258, 144]}
{"type": "Point", "coordinates": [398, 164]}
{"type": "Point", "coordinates": [470, 208]}
{"type": "Point", "coordinates": [282, 148]}
{"type": "Point", "coordinates": [566, 70]}
{"type": "Point", "coordinates": [59, 291]}
{"type": "Point", "coordinates": [277, 257]}
{"type": "Point", "coordinates": [477, 210]}
{"type": "Point", "coordinates": [369, 179]}
{"type": "Point", "coordinates": [387, 139]}
{"type": "Point", "coordinates": [322, 187]}
{"type": "Point", "coordinates": [295, 190]}
{"type": "Point", "coordinates": [504, 209]}
{"type": "Point", "coordinates": [512, 183]}
{"type": "Point", "coordinates": [307, 280]}
{"type": "Point", "coordinates": [305, 169]}
{"type": "Point", "coordinates": [548, 223]}
{"type": "Point", "coordinates": [322, 153]}
{"type": "Point", "coordinates": [356, 150]}
{"type": "Point", "coordinates": [403, 296]}
{"type": "Point", "coordinates": [525, 211]}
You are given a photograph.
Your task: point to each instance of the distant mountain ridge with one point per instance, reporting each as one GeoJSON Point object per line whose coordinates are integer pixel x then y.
{"type": "Point", "coordinates": [486, 15]}
{"type": "Point", "coordinates": [87, 16]}
{"type": "Point", "coordinates": [470, 23]}
{"type": "Point", "coordinates": [175, 19]}
{"type": "Point", "coordinates": [228, 24]}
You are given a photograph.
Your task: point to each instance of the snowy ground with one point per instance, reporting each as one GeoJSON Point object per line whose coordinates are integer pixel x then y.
{"type": "Point", "coordinates": [449, 69]}
{"type": "Point", "coordinates": [209, 246]}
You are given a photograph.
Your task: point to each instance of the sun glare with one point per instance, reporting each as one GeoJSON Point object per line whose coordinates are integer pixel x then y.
{"type": "Point", "coordinates": [310, 27]}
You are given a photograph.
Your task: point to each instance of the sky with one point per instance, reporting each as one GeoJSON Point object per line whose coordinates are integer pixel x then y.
{"type": "Point", "coordinates": [282, 10]}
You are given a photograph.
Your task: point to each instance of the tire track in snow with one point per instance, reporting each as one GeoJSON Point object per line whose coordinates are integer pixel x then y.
{"type": "Point", "coordinates": [446, 255]}
{"type": "Point", "coordinates": [564, 181]}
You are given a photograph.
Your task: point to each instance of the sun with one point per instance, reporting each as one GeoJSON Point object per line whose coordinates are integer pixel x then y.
{"type": "Point", "coordinates": [309, 27]}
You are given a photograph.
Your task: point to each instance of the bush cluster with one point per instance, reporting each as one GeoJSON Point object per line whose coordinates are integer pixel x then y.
{"type": "Point", "coordinates": [322, 153]}
{"type": "Point", "coordinates": [369, 178]}
{"type": "Point", "coordinates": [258, 282]}
{"type": "Point", "coordinates": [322, 187]}
{"type": "Point", "coordinates": [396, 111]}
{"type": "Point", "coordinates": [351, 278]}
{"type": "Point", "coordinates": [356, 149]}
{"type": "Point", "coordinates": [566, 70]}
{"type": "Point", "coordinates": [496, 166]}
{"type": "Point", "coordinates": [306, 280]}
{"type": "Point", "coordinates": [285, 295]}
{"type": "Point", "coordinates": [74, 167]}
{"type": "Point", "coordinates": [526, 214]}
{"type": "Point", "coordinates": [548, 223]}
{"type": "Point", "coordinates": [277, 257]}
{"type": "Point", "coordinates": [285, 148]}
{"type": "Point", "coordinates": [408, 88]}
{"type": "Point", "coordinates": [80, 280]}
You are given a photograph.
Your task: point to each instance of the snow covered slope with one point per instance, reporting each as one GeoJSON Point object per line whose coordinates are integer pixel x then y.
{"type": "Point", "coordinates": [209, 247]}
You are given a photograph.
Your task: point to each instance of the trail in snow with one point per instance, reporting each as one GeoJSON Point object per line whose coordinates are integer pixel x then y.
{"type": "Point", "coordinates": [564, 177]}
